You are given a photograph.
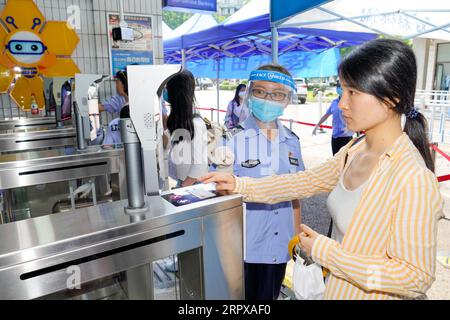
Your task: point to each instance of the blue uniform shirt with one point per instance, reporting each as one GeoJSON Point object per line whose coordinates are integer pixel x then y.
{"type": "Point", "coordinates": [268, 227]}
{"type": "Point", "coordinates": [114, 104]}
{"type": "Point", "coordinates": [339, 125]}
{"type": "Point", "coordinates": [113, 133]}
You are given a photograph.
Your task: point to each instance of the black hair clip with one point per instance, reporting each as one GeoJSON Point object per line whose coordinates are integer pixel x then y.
{"type": "Point", "coordinates": [412, 113]}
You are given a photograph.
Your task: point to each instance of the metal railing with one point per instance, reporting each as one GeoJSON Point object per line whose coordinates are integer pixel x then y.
{"type": "Point", "coordinates": [435, 105]}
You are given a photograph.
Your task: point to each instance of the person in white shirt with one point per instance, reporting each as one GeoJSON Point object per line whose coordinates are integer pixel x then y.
{"type": "Point", "coordinates": [188, 158]}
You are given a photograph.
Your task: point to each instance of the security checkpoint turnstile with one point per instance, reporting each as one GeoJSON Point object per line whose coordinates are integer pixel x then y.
{"type": "Point", "coordinates": [100, 252]}
{"type": "Point", "coordinates": [54, 96]}
{"type": "Point", "coordinates": [37, 183]}
{"type": "Point", "coordinates": [29, 124]}
{"type": "Point", "coordinates": [44, 172]}
{"type": "Point", "coordinates": [111, 250]}
{"type": "Point", "coordinates": [39, 139]}
{"type": "Point", "coordinates": [18, 135]}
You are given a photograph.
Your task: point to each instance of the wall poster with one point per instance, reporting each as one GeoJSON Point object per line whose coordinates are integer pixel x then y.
{"type": "Point", "coordinates": [139, 51]}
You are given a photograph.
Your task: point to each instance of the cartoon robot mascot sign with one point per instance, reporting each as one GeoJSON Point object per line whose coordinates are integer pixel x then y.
{"type": "Point", "coordinates": [30, 48]}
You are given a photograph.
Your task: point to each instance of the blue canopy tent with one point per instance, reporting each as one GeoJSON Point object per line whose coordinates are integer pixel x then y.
{"type": "Point", "coordinates": [248, 33]}
{"type": "Point", "coordinates": [301, 64]}
{"type": "Point", "coordinates": [194, 24]}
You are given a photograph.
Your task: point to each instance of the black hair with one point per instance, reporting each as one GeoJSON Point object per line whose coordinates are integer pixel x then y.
{"type": "Point", "coordinates": [123, 78]}
{"type": "Point", "coordinates": [125, 112]}
{"type": "Point", "coordinates": [181, 89]}
{"type": "Point", "coordinates": [387, 69]}
{"type": "Point", "coordinates": [236, 98]}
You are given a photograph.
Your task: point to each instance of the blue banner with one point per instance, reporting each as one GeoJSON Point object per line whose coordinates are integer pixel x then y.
{"type": "Point", "coordinates": [191, 5]}
{"type": "Point", "coordinates": [300, 64]}
{"type": "Point", "coordinates": [280, 10]}
{"type": "Point", "coordinates": [120, 59]}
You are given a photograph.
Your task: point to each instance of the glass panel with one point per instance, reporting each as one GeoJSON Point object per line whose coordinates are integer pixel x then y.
{"type": "Point", "coordinates": [40, 200]}
{"type": "Point", "coordinates": [443, 54]}
{"type": "Point", "coordinates": [135, 283]}
{"type": "Point", "coordinates": [108, 288]}
{"type": "Point", "coordinates": [166, 279]}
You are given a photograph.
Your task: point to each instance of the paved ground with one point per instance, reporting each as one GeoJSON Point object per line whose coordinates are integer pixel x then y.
{"type": "Point", "coordinates": [316, 149]}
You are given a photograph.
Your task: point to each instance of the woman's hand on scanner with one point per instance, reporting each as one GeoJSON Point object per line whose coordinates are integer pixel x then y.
{"type": "Point", "coordinates": [225, 182]}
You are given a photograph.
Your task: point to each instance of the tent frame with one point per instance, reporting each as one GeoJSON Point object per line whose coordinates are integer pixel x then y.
{"type": "Point", "coordinates": [353, 19]}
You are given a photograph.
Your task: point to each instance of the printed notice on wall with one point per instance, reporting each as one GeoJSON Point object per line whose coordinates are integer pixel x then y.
{"type": "Point", "coordinates": [139, 51]}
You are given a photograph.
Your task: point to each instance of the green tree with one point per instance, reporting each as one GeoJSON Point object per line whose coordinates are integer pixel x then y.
{"type": "Point", "coordinates": [219, 18]}
{"type": "Point", "coordinates": [344, 51]}
{"type": "Point", "coordinates": [174, 18]}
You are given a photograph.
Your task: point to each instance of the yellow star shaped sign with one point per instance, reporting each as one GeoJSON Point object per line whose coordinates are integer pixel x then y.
{"type": "Point", "coordinates": [32, 47]}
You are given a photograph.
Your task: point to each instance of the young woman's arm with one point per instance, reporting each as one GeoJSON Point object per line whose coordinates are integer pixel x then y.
{"type": "Point", "coordinates": [287, 187]}
{"type": "Point", "coordinates": [113, 105]}
{"type": "Point", "coordinates": [408, 267]}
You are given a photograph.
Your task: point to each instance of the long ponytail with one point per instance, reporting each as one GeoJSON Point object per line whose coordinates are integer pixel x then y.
{"type": "Point", "coordinates": [415, 128]}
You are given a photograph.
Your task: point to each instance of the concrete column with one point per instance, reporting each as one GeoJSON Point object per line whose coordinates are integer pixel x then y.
{"type": "Point", "coordinates": [421, 47]}
{"type": "Point", "coordinates": [429, 84]}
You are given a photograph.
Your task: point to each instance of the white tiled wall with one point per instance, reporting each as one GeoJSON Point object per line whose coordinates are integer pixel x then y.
{"type": "Point", "coordinates": [91, 54]}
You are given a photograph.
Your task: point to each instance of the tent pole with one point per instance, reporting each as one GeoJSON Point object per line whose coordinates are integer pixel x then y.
{"type": "Point", "coordinates": [183, 58]}
{"type": "Point", "coordinates": [274, 30]}
{"type": "Point", "coordinates": [218, 90]}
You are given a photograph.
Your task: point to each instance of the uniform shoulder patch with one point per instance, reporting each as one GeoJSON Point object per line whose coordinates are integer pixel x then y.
{"type": "Point", "coordinates": [291, 132]}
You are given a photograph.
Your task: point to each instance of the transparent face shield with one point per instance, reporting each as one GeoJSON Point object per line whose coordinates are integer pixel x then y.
{"type": "Point", "coordinates": [268, 94]}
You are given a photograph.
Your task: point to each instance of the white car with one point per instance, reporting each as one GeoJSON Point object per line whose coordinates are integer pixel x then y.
{"type": "Point", "coordinates": [203, 83]}
{"type": "Point", "coordinates": [302, 89]}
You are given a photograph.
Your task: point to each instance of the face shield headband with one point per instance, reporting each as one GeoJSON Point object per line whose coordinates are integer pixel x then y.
{"type": "Point", "coordinates": [273, 76]}
{"type": "Point", "coordinates": [265, 75]}
{"type": "Point", "coordinates": [267, 105]}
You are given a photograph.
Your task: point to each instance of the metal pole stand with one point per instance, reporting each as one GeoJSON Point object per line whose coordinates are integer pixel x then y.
{"type": "Point", "coordinates": [81, 142]}
{"type": "Point", "coordinates": [320, 95]}
{"type": "Point", "coordinates": [134, 169]}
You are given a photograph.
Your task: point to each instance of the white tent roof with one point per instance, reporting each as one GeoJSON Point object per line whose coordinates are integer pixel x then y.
{"type": "Point", "coordinates": [254, 8]}
{"type": "Point", "coordinates": [197, 22]}
{"type": "Point", "coordinates": [167, 31]}
{"type": "Point", "coordinates": [403, 18]}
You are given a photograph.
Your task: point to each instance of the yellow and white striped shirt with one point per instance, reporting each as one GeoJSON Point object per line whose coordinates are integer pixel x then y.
{"type": "Point", "coordinates": [389, 249]}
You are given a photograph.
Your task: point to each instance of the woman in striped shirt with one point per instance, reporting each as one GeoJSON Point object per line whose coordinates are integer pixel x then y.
{"type": "Point", "coordinates": [385, 196]}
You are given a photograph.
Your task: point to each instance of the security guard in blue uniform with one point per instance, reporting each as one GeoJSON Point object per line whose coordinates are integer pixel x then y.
{"type": "Point", "coordinates": [265, 147]}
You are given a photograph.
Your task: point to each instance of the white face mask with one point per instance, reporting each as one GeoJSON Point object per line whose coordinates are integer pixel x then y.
{"type": "Point", "coordinates": [241, 94]}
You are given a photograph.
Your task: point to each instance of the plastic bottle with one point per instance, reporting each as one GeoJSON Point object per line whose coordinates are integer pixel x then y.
{"type": "Point", "coordinates": [34, 106]}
